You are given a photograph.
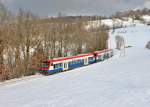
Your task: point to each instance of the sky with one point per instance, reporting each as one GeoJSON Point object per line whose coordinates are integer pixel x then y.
{"type": "Point", "coordinates": [75, 7]}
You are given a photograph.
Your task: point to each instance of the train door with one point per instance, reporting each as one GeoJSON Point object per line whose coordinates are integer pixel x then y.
{"type": "Point", "coordinates": [66, 66]}
{"type": "Point", "coordinates": [109, 54]}
{"type": "Point", "coordinates": [85, 61]}
{"type": "Point", "coordinates": [51, 66]}
{"type": "Point", "coordinates": [112, 53]}
{"type": "Point", "coordinates": [102, 57]}
{"type": "Point", "coordinates": [95, 57]}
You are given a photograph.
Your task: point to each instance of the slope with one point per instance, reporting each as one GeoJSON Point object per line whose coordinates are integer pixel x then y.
{"type": "Point", "coordinates": [117, 82]}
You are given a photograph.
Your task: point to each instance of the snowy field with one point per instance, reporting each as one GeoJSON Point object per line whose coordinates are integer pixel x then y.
{"type": "Point", "coordinates": [117, 82]}
{"type": "Point", "coordinates": [134, 36]}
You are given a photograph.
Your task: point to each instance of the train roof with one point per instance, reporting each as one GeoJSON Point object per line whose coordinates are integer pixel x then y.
{"type": "Point", "coordinates": [103, 51]}
{"type": "Point", "coordinates": [67, 58]}
{"type": "Point", "coordinates": [77, 56]}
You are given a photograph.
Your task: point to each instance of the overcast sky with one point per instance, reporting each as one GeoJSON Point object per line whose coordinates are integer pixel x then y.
{"type": "Point", "coordinates": [75, 7]}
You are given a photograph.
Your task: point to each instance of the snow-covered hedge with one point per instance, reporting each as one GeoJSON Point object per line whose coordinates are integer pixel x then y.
{"type": "Point", "coordinates": [148, 45]}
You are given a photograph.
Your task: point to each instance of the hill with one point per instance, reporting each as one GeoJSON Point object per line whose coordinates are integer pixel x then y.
{"type": "Point", "coordinates": [119, 81]}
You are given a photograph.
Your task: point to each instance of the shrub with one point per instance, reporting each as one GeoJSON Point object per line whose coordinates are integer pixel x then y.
{"type": "Point", "coordinates": [148, 45]}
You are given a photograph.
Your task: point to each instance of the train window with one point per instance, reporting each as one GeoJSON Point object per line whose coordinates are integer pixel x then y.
{"type": "Point", "coordinates": [78, 61]}
{"type": "Point", "coordinates": [58, 65]}
{"type": "Point", "coordinates": [99, 57]}
{"type": "Point", "coordinates": [90, 58]}
{"type": "Point", "coordinates": [61, 64]}
{"type": "Point", "coordinates": [73, 62]}
{"type": "Point", "coordinates": [55, 65]}
{"type": "Point", "coordinates": [82, 60]}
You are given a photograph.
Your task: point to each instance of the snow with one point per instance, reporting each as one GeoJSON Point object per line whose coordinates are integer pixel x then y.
{"type": "Point", "coordinates": [137, 36]}
{"type": "Point", "coordinates": [126, 22]}
{"type": "Point", "coordinates": [117, 82]}
{"type": "Point", "coordinates": [146, 18]}
{"type": "Point", "coordinates": [108, 22]}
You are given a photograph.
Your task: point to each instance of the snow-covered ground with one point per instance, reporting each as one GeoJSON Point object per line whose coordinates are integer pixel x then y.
{"type": "Point", "coordinates": [127, 22]}
{"type": "Point", "coordinates": [117, 82]}
{"type": "Point", "coordinates": [137, 36]}
{"type": "Point", "coordinates": [146, 18]}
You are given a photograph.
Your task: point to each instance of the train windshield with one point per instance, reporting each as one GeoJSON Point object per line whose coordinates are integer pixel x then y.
{"type": "Point", "coordinates": [45, 65]}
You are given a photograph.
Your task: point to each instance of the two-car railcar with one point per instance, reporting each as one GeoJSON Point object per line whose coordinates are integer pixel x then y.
{"type": "Point", "coordinates": [67, 63]}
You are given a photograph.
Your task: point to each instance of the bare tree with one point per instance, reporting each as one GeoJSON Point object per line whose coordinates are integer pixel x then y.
{"type": "Point", "coordinates": [120, 44]}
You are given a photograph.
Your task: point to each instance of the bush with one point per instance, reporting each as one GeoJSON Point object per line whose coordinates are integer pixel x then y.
{"type": "Point", "coordinates": [3, 73]}
{"type": "Point", "coordinates": [148, 45]}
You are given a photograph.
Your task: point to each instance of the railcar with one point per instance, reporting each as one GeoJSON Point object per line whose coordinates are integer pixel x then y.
{"type": "Point", "coordinates": [67, 63]}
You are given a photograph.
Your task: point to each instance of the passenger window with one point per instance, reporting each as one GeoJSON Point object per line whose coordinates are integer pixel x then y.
{"type": "Point", "coordinates": [55, 66]}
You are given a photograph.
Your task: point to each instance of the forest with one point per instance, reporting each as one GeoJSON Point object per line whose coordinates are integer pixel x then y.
{"type": "Point", "coordinates": [26, 40]}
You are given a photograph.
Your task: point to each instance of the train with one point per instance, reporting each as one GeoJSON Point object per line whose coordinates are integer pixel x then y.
{"type": "Point", "coordinates": [62, 64]}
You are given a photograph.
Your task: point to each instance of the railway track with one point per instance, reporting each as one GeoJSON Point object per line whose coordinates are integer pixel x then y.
{"type": "Point", "coordinates": [18, 80]}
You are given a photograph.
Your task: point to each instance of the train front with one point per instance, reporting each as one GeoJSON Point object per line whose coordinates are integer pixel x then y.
{"type": "Point", "coordinates": [44, 67]}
